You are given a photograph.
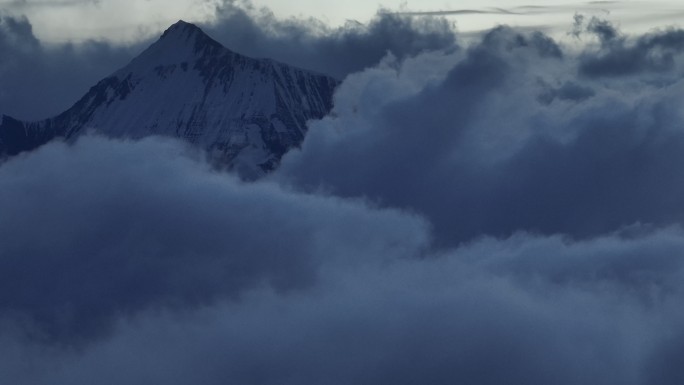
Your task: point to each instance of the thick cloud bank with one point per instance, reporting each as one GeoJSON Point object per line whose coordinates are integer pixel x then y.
{"type": "Point", "coordinates": [133, 262]}
{"type": "Point", "coordinates": [38, 81]}
{"type": "Point", "coordinates": [495, 214]}
{"type": "Point", "coordinates": [512, 134]}
{"type": "Point", "coordinates": [147, 227]}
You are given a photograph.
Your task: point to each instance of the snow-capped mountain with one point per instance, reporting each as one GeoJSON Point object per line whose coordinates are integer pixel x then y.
{"type": "Point", "coordinates": [245, 112]}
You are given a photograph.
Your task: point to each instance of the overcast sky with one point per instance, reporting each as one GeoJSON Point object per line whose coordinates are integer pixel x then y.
{"type": "Point", "coordinates": [126, 20]}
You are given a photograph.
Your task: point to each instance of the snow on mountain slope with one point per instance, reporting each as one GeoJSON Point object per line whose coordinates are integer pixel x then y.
{"type": "Point", "coordinates": [245, 112]}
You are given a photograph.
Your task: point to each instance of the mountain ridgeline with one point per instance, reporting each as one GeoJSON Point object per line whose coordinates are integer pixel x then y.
{"type": "Point", "coordinates": [246, 113]}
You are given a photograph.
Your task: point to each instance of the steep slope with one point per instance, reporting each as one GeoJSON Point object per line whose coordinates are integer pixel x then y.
{"type": "Point", "coordinates": [245, 112]}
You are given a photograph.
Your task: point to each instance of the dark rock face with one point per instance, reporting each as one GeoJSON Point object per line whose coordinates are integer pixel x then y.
{"type": "Point", "coordinates": [15, 138]}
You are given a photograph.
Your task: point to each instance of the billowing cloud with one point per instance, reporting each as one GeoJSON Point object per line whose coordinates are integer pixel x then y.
{"type": "Point", "coordinates": [655, 52]}
{"type": "Point", "coordinates": [38, 81]}
{"type": "Point", "coordinates": [308, 43]}
{"type": "Point", "coordinates": [119, 21]}
{"type": "Point", "coordinates": [188, 275]}
{"type": "Point", "coordinates": [509, 135]}
{"type": "Point", "coordinates": [153, 230]}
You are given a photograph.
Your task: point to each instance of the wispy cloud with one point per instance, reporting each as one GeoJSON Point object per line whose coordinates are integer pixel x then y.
{"type": "Point", "coordinates": [484, 11]}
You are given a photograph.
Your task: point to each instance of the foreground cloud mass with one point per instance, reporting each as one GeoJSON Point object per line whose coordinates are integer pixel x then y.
{"type": "Point", "coordinates": [142, 264]}
{"type": "Point", "coordinates": [148, 227]}
{"type": "Point", "coordinates": [510, 212]}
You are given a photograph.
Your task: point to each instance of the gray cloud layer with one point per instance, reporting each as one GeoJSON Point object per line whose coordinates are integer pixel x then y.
{"type": "Point", "coordinates": [335, 51]}
{"type": "Point", "coordinates": [149, 230]}
{"type": "Point", "coordinates": [133, 262]}
{"type": "Point", "coordinates": [38, 82]}
{"type": "Point", "coordinates": [496, 214]}
{"type": "Point", "coordinates": [511, 135]}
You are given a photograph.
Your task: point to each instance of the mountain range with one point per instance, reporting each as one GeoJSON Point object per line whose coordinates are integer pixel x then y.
{"type": "Point", "coordinates": [245, 112]}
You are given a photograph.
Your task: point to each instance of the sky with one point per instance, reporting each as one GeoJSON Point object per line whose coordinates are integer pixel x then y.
{"type": "Point", "coordinates": [57, 21]}
{"type": "Point", "coordinates": [479, 209]}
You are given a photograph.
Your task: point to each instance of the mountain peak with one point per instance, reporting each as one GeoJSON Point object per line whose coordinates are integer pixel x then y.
{"type": "Point", "coordinates": [184, 33]}
{"type": "Point", "coordinates": [182, 42]}
{"type": "Point", "coordinates": [182, 28]}
{"type": "Point", "coordinates": [244, 112]}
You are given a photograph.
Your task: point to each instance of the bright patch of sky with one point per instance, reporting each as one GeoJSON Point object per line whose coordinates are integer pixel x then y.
{"type": "Point", "coordinates": [127, 20]}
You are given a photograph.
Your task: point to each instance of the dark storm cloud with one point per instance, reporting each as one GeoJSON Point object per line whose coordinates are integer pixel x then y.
{"type": "Point", "coordinates": [335, 51]}
{"type": "Point", "coordinates": [526, 310]}
{"type": "Point", "coordinates": [16, 32]}
{"type": "Point", "coordinates": [147, 230]}
{"type": "Point", "coordinates": [655, 52]}
{"type": "Point", "coordinates": [135, 262]}
{"type": "Point", "coordinates": [37, 81]}
{"type": "Point", "coordinates": [508, 139]}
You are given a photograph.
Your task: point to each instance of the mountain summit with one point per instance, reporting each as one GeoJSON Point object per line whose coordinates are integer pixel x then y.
{"type": "Point", "coordinates": [182, 27]}
{"type": "Point", "coordinates": [245, 112]}
{"type": "Point", "coordinates": [179, 43]}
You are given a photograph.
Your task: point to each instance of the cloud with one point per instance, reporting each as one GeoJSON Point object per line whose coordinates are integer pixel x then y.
{"type": "Point", "coordinates": [149, 230]}
{"type": "Point", "coordinates": [133, 262]}
{"type": "Point", "coordinates": [655, 52]}
{"type": "Point", "coordinates": [308, 43]}
{"type": "Point", "coordinates": [17, 31]}
{"type": "Point", "coordinates": [37, 81]}
{"type": "Point", "coordinates": [370, 303]}
{"type": "Point", "coordinates": [509, 136]}
{"type": "Point", "coordinates": [119, 22]}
